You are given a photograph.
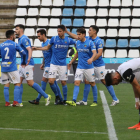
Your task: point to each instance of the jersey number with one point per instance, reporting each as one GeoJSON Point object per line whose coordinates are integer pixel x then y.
{"type": "Point", "coordinates": [7, 51]}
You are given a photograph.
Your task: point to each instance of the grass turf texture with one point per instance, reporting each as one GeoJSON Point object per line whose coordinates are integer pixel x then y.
{"type": "Point", "coordinates": [68, 118]}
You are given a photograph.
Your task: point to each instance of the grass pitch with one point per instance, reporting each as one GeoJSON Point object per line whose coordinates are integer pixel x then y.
{"type": "Point", "coordinates": [40, 122]}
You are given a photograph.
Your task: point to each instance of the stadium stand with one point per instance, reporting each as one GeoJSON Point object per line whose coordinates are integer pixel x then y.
{"type": "Point", "coordinates": [118, 20]}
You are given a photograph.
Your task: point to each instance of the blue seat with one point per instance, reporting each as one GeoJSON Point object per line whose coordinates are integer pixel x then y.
{"type": "Point", "coordinates": [66, 33]}
{"type": "Point", "coordinates": [80, 2]}
{"type": "Point", "coordinates": [78, 22]}
{"type": "Point", "coordinates": [79, 12]}
{"type": "Point", "coordinates": [134, 43]}
{"type": "Point", "coordinates": [122, 43]}
{"type": "Point", "coordinates": [66, 22]}
{"type": "Point", "coordinates": [69, 2]}
{"type": "Point", "coordinates": [111, 43]}
{"type": "Point", "coordinates": [74, 31]}
{"type": "Point", "coordinates": [67, 12]}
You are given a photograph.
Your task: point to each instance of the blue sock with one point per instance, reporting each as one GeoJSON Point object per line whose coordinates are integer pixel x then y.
{"type": "Point", "coordinates": [54, 89]}
{"type": "Point", "coordinates": [75, 93]}
{"type": "Point", "coordinates": [65, 89]}
{"type": "Point", "coordinates": [43, 86]}
{"type": "Point", "coordinates": [86, 92]}
{"type": "Point", "coordinates": [95, 93]}
{"type": "Point", "coordinates": [20, 95]}
{"type": "Point", "coordinates": [39, 90]}
{"type": "Point", "coordinates": [58, 91]}
{"type": "Point", "coordinates": [16, 93]}
{"type": "Point", "coordinates": [112, 92]}
{"type": "Point", "coordinates": [6, 93]}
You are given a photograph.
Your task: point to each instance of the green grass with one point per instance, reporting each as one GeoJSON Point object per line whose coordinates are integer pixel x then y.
{"type": "Point", "coordinates": [68, 118]}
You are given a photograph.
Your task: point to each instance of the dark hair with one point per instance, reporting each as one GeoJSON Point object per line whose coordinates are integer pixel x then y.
{"type": "Point", "coordinates": [61, 27]}
{"type": "Point", "coordinates": [9, 33]}
{"type": "Point", "coordinates": [21, 26]}
{"type": "Point", "coordinates": [95, 28]}
{"type": "Point", "coordinates": [42, 31]}
{"type": "Point", "coordinates": [108, 79]}
{"type": "Point", "coordinates": [81, 30]}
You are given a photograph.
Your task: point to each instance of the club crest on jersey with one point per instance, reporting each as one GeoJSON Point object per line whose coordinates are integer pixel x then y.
{"type": "Point", "coordinates": [27, 74]}
{"type": "Point", "coordinates": [93, 74]}
{"type": "Point", "coordinates": [65, 41]}
{"type": "Point", "coordinates": [46, 71]}
{"type": "Point", "coordinates": [101, 72]}
{"type": "Point", "coordinates": [85, 45]}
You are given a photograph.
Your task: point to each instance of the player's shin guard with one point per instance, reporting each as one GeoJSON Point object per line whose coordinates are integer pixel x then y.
{"type": "Point", "coordinates": [6, 94]}
{"type": "Point", "coordinates": [75, 93]}
{"type": "Point", "coordinates": [95, 93]}
{"type": "Point", "coordinates": [20, 95]}
{"type": "Point", "coordinates": [112, 92]}
{"type": "Point", "coordinates": [43, 86]}
{"type": "Point", "coordinates": [86, 92]}
{"type": "Point", "coordinates": [39, 90]}
{"type": "Point", "coordinates": [65, 89]}
{"type": "Point", "coordinates": [58, 91]}
{"type": "Point", "coordinates": [54, 89]}
{"type": "Point", "coordinates": [16, 93]}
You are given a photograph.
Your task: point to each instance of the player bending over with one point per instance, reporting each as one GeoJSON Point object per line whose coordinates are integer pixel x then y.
{"type": "Point", "coordinates": [47, 54]}
{"type": "Point", "coordinates": [128, 71]}
{"type": "Point", "coordinates": [9, 72]}
{"type": "Point", "coordinates": [60, 45]}
{"type": "Point", "coordinates": [27, 72]}
{"type": "Point", "coordinates": [86, 53]}
{"type": "Point", "coordinates": [99, 66]}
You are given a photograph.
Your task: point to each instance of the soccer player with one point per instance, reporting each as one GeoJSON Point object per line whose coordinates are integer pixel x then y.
{"type": "Point", "coordinates": [86, 53]}
{"type": "Point", "coordinates": [46, 66]}
{"type": "Point", "coordinates": [99, 66]}
{"type": "Point", "coordinates": [9, 71]}
{"type": "Point", "coordinates": [60, 45]}
{"type": "Point", "coordinates": [27, 72]}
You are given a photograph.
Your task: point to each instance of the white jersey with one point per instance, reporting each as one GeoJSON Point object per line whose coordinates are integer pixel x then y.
{"type": "Point", "coordinates": [130, 70]}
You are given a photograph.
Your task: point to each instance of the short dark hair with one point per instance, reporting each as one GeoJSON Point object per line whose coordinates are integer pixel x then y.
{"type": "Point", "coordinates": [81, 30]}
{"type": "Point", "coordinates": [95, 28]}
{"type": "Point", "coordinates": [21, 26]}
{"type": "Point", "coordinates": [108, 79]}
{"type": "Point", "coordinates": [61, 27]}
{"type": "Point", "coordinates": [41, 31]}
{"type": "Point", "coordinates": [9, 33]}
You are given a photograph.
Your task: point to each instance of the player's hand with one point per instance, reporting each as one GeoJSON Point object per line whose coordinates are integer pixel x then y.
{"type": "Point", "coordinates": [137, 105]}
{"type": "Point", "coordinates": [34, 48]}
{"type": "Point", "coordinates": [42, 67]}
{"type": "Point", "coordinates": [28, 62]}
{"type": "Point", "coordinates": [89, 61]}
{"type": "Point", "coordinates": [69, 66]}
{"type": "Point", "coordinates": [66, 29]}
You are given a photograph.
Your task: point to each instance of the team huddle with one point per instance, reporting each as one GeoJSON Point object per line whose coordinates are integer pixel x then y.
{"type": "Point", "coordinates": [90, 65]}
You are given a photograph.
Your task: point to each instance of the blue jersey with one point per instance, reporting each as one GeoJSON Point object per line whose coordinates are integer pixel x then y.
{"type": "Point", "coordinates": [59, 49]}
{"type": "Point", "coordinates": [47, 54]}
{"type": "Point", "coordinates": [8, 54]}
{"type": "Point", "coordinates": [24, 42]}
{"type": "Point", "coordinates": [84, 50]}
{"type": "Point", "coordinates": [99, 45]}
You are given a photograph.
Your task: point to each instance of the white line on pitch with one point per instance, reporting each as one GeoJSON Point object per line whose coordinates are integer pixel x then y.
{"type": "Point", "coordinates": [109, 121]}
{"type": "Point", "coordinates": [55, 131]}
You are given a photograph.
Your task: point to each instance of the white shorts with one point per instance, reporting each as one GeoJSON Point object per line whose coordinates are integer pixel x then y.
{"type": "Point", "coordinates": [10, 77]}
{"type": "Point", "coordinates": [88, 73]}
{"type": "Point", "coordinates": [61, 70]}
{"type": "Point", "coordinates": [99, 72]}
{"type": "Point", "coordinates": [26, 72]}
{"type": "Point", "coordinates": [46, 72]}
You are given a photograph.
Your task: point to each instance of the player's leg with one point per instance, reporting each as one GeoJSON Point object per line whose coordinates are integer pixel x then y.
{"type": "Point", "coordinates": [78, 79]}
{"type": "Point", "coordinates": [86, 91]}
{"type": "Point", "coordinates": [29, 78]}
{"type": "Point", "coordinates": [6, 83]}
{"type": "Point", "coordinates": [100, 73]}
{"type": "Point", "coordinates": [63, 76]}
{"type": "Point", "coordinates": [90, 76]}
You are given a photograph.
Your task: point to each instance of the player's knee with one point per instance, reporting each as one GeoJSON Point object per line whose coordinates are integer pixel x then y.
{"type": "Point", "coordinates": [30, 83]}
{"type": "Point", "coordinates": [63, 83]}
{"type": "Point", "coordinates": [92, 84]}
{"type": "Point", "coordinates": [103, 81]}
{"type": "Point", "coordinates": [51, 82]}
{"type": "Point", "coordinates": [77, 83]}
{"type": "Point", "coordinates": [86, 82]}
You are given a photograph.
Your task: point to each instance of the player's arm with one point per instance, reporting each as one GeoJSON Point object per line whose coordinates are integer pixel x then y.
{"type": "Point", "coordinates": [74, 58]}
{"type": "Point", "coordinates": [42, 48]}
{"type": "Point", "coordinates": [71, 34]}
{"type": "Point", "coordinates": [29, 54]}
{"type": "Point", "coordinates": [100, 51]}
{"type": "Point", "coordinates": [93, 57]}
{"type": "Point", "coordinates": [42, 65]}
